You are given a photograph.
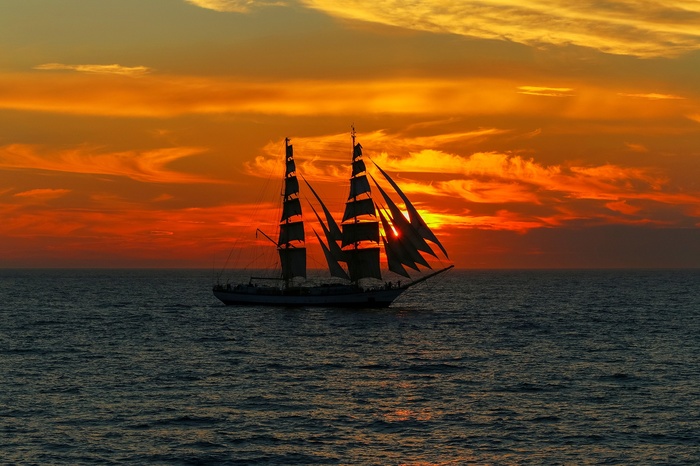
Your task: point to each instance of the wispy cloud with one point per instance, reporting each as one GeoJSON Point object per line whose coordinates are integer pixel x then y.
{"type": "Point", "coordinates": [162, 95]}
{"type": "Point", "coordinates": [325, 157]}
{"type": "Point", "coordinates": [99, 69]}
{"type": "Point", "coordinates": [232, 6]}
{"type": "Point", "coordinates": [43, 193]}
{"type": "Point", "coordinates": [622, 207]}
{"type": "Point", "coordinates": [645, 28]}
{"type": "Point", "coordinates": [641, 28]}
{"type": "Point", "coordinates": [654, 96]}
{"type": "Point", "coordinates": [546, 91]}
{"type": "Point", "coordinates": [639, 148]}
{"type": "Point", "coordinates": [501, 165]}
{"type": "Point", "coordinates": [147, 166]}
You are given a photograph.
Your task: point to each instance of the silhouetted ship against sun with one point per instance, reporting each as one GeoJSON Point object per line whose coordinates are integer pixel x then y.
{"type": "Point", "coordinates": [352, 248]}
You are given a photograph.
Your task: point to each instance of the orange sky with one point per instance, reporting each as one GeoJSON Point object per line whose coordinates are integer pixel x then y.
{"type": "Point", "coordinates": [143, 134]}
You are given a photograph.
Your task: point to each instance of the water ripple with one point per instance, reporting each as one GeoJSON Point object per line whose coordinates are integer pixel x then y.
{"type": "Point", "coordinates": [550, 367]}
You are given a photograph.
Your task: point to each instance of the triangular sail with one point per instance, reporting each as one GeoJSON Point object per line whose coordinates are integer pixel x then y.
{"type": "Point", "coordinates": [330, 221]}
{"type": "Point", "coordinates": [416, 220]}
{"type": "Point", "coordinates": [393, 261]}
{"type": "Point", "coordinates": [405, 253]}
{"type": "Point", "coordinates": [333, 266]}
{"type": "Point", "coordinates": [404, 226]}
{"type": "Point", "coordinates": [291, 244]}
{"type": "Point", "coordinates": [335, 250]}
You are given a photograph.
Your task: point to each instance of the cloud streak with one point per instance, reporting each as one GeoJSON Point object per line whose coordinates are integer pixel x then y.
{"type": "Point", "coordinates": [155, 95]}
{"type": "Point", "coordinates": [231, 6]}
{"type": "Point", "coordinates": [643, 28]}
{"type": "Point", "coordinates": [43, 193]}
{"type": "Point", "coordinates": [654, 96]}
{"type": "Point", "coordinates": [147, 166]}
{"type": "Point", "coordinates": [97, 69]}
{"type": "Point", "coordinates": [546, 91]}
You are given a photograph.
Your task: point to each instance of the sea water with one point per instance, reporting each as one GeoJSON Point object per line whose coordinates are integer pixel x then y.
{"type": "Point", "coordinates": [474, 367]}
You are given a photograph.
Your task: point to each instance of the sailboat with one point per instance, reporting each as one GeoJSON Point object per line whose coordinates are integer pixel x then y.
{"type": "Point", "coordinates": [352, 248]}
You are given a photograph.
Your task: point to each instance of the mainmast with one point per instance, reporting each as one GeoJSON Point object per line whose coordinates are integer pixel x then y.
{"type": "Point", "coordinates": [360, 227]}
{"type": "Point", "coordinates": [291, 245]}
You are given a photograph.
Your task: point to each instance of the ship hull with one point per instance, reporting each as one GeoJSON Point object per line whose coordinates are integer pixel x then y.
{"type": "Point", "coordinates": [308, 296]}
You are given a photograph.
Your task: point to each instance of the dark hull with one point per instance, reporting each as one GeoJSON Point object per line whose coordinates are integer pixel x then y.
{"type": "Point", "coordinates": [324, 295]}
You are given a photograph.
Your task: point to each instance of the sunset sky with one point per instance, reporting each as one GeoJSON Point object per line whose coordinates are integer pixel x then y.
{"type": "Point", "coordinates": [546, 133]}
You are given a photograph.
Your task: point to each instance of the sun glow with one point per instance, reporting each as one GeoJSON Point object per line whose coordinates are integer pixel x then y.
{"type": "Point", "coordinates": [149, 149]}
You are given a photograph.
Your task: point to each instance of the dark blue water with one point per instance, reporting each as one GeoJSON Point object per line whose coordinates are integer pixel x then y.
{"type": "Point", "coordinates": [523, 367]}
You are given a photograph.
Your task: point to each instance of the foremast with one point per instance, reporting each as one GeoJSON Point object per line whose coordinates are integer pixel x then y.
{"type": "Point", "coordinates": [291, 244]}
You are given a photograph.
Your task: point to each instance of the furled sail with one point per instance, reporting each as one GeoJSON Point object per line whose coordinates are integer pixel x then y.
{"type": "Point", "coordinates": [291, 244]}
{"type": "Point", "coordinates": [415, 218]}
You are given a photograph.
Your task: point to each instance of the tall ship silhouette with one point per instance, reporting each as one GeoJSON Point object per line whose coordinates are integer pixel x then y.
{"type": "Point", "coordinates": [353, 247]}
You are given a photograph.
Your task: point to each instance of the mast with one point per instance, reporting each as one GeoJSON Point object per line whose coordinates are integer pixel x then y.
{"type": "Point", "coordinates": [360, 227]}
{"type": "Point", "coordinates": [291, 244]}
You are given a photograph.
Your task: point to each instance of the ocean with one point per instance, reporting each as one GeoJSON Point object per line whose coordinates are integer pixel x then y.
{"type": "Point", "coordinates": [474, 367]}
